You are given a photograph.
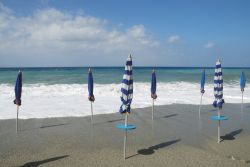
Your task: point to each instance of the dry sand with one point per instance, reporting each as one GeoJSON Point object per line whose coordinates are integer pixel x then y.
{"type": "Point", "coordinates": [176, 138]}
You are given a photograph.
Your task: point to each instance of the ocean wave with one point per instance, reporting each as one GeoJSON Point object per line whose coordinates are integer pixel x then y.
{"type": "Point", "coordinates": [60, 100]}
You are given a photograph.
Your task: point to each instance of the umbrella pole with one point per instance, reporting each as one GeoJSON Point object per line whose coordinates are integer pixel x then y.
{"type": "Point", "coordinates": [125, 137]}
{"type": "Point", "coordinates": [218, 131]}
{"type": "Point", "coordinates": [219, 126]}
{"type": "Point", "coordinates": [200, 106]}
{"type": "Point", "coordinates": [241, 101]}
{"type": "Point", "coordinates": [153, 108]}
{"type": "Point", "coordinates": [17, 118]}
{"type": "Point", "coordinates": [91, 112]}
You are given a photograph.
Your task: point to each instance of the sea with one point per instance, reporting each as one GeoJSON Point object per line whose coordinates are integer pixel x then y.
{"type": "Point", "coordinates": [63, 91]}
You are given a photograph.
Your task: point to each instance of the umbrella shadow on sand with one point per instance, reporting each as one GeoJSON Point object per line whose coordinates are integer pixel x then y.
{"type": "Point", "coordinates": [38, 163]}
{"type": "Point", "coordinates": [50, 126]}
{"type": "Point", "coordinates": [168, 116]}
{"type": "Point", "coordinates": [152, 149]}
{"type": "Point", "coordinates": [45, 126]}
{"type": "Point", "coordinates": [110, 121]}
{"type": "Point", "coordinates": [231, 135]}
{"type": "Point", "coordinates": [213, 110]}
{"type": "Point", "coordinates": [115, 120]}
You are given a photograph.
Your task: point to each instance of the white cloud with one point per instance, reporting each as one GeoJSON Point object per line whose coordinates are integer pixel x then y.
{"type": "Point", "coordinates": [209, 45]}
{"type": "Point", "coordinates": [173, 39]}
{"type": "Point", "coordinates": [51, 32]}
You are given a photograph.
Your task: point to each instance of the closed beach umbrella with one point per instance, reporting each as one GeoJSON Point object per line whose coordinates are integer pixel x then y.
{"type": "Point", "coordinates": [203, 79]}
{"type": "Point", "coordinates": [126, 99]}
{"type": "Point", "coordinates": [218, 94]}
{"type": "Point", "coordinates": [218, 86]}
{"type": "Point", "coordinates": [127, 87]}
{"type": "Point", "coordinates": [90, 89]}
{"type": "Point", "coordinates": [153, 91]}
{"type": "Point", "coordinates": [242, 87]}
{"type": "Point", "coordinates": [18, 94]}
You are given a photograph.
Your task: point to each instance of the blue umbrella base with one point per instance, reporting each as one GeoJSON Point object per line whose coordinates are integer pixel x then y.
{"type": "Point", "coordinates": [219, 118]}
{"type": "Point", "coordinates": [128, 127]}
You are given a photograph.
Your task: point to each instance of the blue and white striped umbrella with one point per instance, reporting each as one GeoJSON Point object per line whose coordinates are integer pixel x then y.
{"type": "Point", "coordinates": [218, 86]}
{"type": "Point", "coordinates": [127, 87]}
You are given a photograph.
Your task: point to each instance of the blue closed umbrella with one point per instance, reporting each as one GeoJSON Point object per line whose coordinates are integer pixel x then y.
{"type": "Point", "coordinates": [126, 99]}
{"type": "Point", "coordinates": [203, 80]}
{"type": "Point", "coordinates": [153, 91]}
{"type": "Point", "coordinates": [18, 94]}
{"type": "Point", "coordinates": [153, 85]}
{"type": "Point", "coordinates": [242, 81]}
{"type": "Point", "coordinates": [90, 89]}
{"type": "Point", "coordinates": [242, 87]}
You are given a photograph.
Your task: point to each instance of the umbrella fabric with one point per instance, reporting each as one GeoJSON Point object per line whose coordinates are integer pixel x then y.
{"type": "Point", "coordinates": [242, 81]}
{"type": "Point", "coordinates": [127, 87]}
{"type": "Point", "coordinates": [203, 79]}
{"type": "Point", "coordinates": [90, 86]}
{"type": "Point", "coordinates": [18, 89]}
{"type": "Point", "coordinates": [153, 85]}
{"type": "Point", "coordinates": [218, 86]}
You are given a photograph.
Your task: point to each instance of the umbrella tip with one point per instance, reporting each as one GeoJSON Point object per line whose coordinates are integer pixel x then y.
{"type": "Point", "coordinates": [243, 74]}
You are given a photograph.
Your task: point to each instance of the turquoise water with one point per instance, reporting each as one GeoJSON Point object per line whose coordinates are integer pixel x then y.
{"type": "Point", "coordinates": [108, 75]}
{"type": "Point", "coordinates": [63, 92]}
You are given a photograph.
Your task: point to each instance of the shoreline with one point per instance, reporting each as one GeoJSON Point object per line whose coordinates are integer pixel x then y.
{"type": "Point", "coordinates": [175, 138]}
{"type": "Point", "coordinates": [98, 112]}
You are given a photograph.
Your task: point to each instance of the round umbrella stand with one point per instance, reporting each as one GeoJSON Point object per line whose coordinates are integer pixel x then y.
{"type": "Point", "coordinates": [124, 127]}
{"type": "Point", "coordinates": [219, 118]}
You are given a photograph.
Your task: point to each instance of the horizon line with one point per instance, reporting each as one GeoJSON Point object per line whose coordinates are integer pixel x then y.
{"type": "Point", "coordinates": [198, 67]}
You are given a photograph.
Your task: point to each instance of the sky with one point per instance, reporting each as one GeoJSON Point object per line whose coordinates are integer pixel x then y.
{"type": "Point", "coordinates": [55, 33]}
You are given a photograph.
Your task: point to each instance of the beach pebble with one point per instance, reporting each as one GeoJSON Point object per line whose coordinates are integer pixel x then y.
{"type": "Point", "coordinates": [232, 158]}
{"type": "Point", "coordinates": [235, 158]}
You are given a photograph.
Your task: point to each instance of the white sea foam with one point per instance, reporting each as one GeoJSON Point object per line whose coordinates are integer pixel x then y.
{"type": "Point", "coordinates": [61, 100]}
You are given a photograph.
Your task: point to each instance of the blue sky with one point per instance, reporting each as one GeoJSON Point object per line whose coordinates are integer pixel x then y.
{"type": "Point", "coordinates": [103, 33]}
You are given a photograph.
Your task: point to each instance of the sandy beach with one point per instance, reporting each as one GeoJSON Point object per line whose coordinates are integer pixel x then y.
{"type": "Point", "coordinates": [175, 138]}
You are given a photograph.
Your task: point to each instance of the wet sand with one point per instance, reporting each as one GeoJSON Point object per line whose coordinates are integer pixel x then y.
{"type": "Point", "coordinates": [175, 138]}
